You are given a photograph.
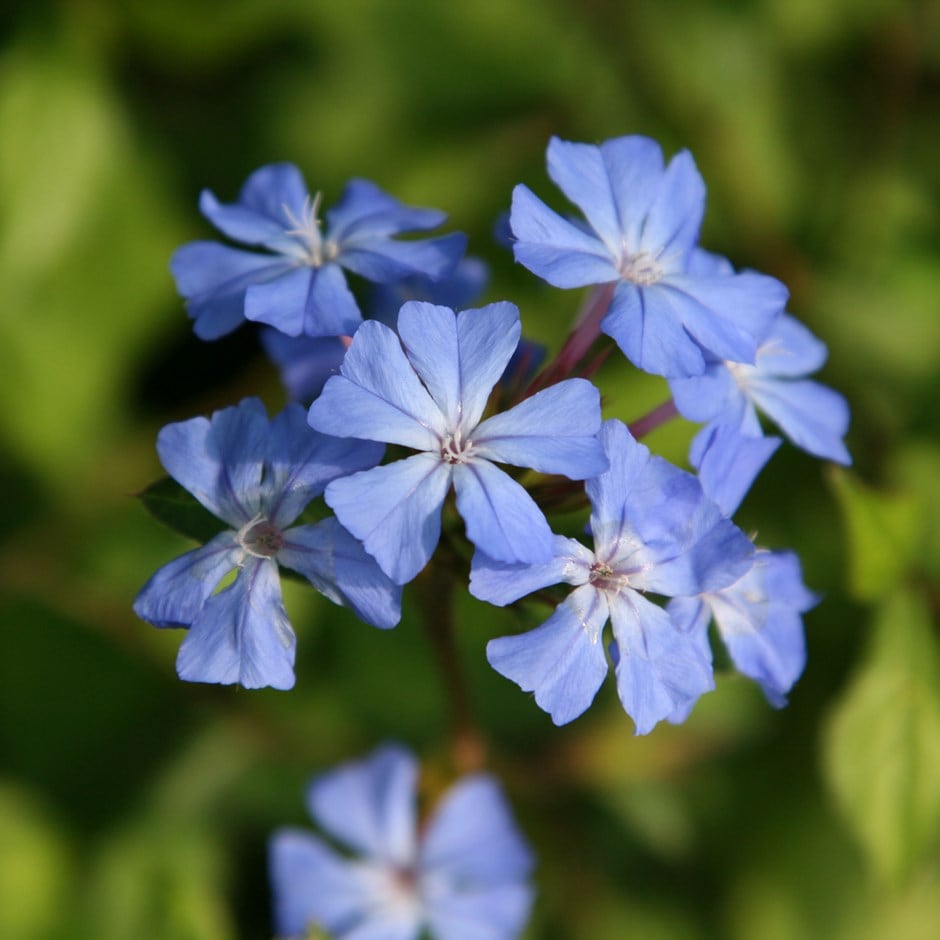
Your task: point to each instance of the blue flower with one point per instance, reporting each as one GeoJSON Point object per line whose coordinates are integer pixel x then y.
{"type": "Point", "coordinates": [811, 415]}
{"type": "Point", "coordinates": [654, 531]}
{"type": "Point", "coordinates": [298, 285]}
{"type": "Point", "coordinates": [427, 390]}
{"type": "Point", "coordinates": [759, 616]}
{"type": "Point", "coordinates": [461, 875]}
{"type": "Point", "coordinates": [643, 220]}
{"type": "Point", "coordinates": [258, 476]}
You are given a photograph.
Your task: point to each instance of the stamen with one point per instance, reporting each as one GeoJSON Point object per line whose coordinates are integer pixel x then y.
{"type": "Point", "coordinates": [260, 537]}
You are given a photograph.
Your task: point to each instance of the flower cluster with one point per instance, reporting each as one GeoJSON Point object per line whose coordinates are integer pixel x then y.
{"type": "Point", "coordinates": [458, 394]}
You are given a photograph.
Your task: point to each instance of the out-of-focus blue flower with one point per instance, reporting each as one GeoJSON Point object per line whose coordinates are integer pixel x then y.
{"type": "Point", "coordinates": [297, 285]}
{"type": "Point", "coordinates": [643, 219]}
{"type": "Point", "coordinates": [811, 415]}
{"type": "Point", "coordinates": [759, 616]}
{"type": "Point", "coordinates": [426, 389]}
{"type": "Point", "coordinates": [463, 875]}
{"type": "Point", "coordinates": [258, 476]}
{"type": "Point", "coordinates": [654, 531]}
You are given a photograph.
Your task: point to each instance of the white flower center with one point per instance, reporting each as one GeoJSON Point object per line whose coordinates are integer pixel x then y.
{"type": "Point", "coordinates": [454, 449]}
{"type": "Point", "coordinates": [641, 268]}
{"type": "Point", "coordinates": [313, 249]}
{"type": "Point", "coordinates": [260, 537]}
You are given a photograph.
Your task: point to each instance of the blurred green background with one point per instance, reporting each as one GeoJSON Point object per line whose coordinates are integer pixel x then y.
{"type": "Point", "coordinates": [135, 806]}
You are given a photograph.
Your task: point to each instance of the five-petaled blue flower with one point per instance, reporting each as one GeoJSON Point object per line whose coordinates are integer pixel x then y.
{"type": "Point", "coordinates": [813, 416]}
{"type": "Point", "coordinates": [654, 531]}
{"type": "Point", "coordinates": [643, 220]}
{"type": "Point", "coordinates": [258, 476]}
{"type": "Point", "coordinates": [298, 285]}
{"type": "Point", "coordinates": [427, 388]}
{"type": "Point", "coordinates": [463, 875]}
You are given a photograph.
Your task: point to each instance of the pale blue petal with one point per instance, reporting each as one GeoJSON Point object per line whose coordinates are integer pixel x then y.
{"type": "Point", "coordinates": [366, 209]}
{"type": "Point", "coordinates": [220, 460]}
{"type": "Point", "coordinates": [308, 301]}
{"type": "Point", "coordinates": [554, 249]}
{"type": "Point", "coordinates": [646, 323]}
{"type": "Point", "coordinates": [707, 262]}
{"type": "Point", "coordinates": [300, 462]}
{"type": "Point", "coordinates": [671, 228]}
{"type": "Point", "coordinates": [635, 167]}
{"type": "Point", "coordinates": [498, 912]}
{"type": "Point", "coordinates": [562, 661]}
{"type": "Point", "coordinates": [501, 583]}
{"type": "Point", "coordinates": [242, 635]}
{"type": "Point", "coordinates": [813, 416]}
{"type": "Point", "coordinates": [617, 487]}
{"type": "Point", "coordinates": [728, 463]}
{"type": "Point", "coordinates": [213, 279]}
{"type": "Point", "coordinates": [275, 193]}
{"type": "Point", "coordinates": [395, 511]}
{"type": "Point", "coordinates": [580, 172]}
{"type": "Point", "coordinates": [660, 669]}
{"type": "Point", "coordinates": [790, 350]}
{"type": "Point", "coordinates": [759, 619]}
{"type": "Point", "coordinates": [378, 396]}
{"type": "Point", "coordinates": [243, 224]}
{"type": "Point", "coordinates": [472, 839]}
{"type": "Point", "coordinates": [315, 886]}
{"type": "Point", "coordinates": [459, 357]}
{"type": "Point", "coordinates": [177, 592]}
{"type": "Point", "coordinates": [728, 315]}
{"type": "Point", "coordinates": [385, 261]}
{"type": "Point", "coordinates": [369, 805]}
{"type": "Point", "coordinates": [553, 431]}
{"type": "Point", "coordinates": [338, 567]}
{"type": "Point", "coordinates": [501, 518]}
{"type": "Point", "coordinates": [712, 396]}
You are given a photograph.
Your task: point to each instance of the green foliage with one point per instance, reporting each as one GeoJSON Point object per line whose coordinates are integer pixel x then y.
{"type": "Point", "coordinates": [177, 508]}
{"type": "Point", "coordinates": [882, 746]}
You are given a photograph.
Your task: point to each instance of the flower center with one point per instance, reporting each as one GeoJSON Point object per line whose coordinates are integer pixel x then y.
{"type": "Point", "coordinates": [641, 268]}
{"type": "Point", "coordinates": [314, 250]}
{"type": "Point", "coordinates": [604, 578]}
{"type": "Point", "coordinates": [454, 449]}
{"type": "Point", "coordinates": [261, 538]}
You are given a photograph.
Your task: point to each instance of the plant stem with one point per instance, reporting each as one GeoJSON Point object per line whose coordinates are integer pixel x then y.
{"type": "Point", "coordinates": [653, 419]}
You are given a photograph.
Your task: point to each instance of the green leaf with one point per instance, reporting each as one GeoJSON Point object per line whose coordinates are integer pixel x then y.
{"type": "Point", "coordinates": [884, 531]}
{"type": "Point", "coordinates": [882, 744]}
{"type": "Point", "coordinates": [177, 508]}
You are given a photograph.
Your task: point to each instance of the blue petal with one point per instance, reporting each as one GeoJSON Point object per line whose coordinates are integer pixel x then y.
{"type": "Point", "coordinates": [728, 315]}
{"type": "Point", "coordinates": [378, 396]}
{"type": "Point", "coordinates": [646, 323]}
{"type": "Point", "coordinates": [555, 250]}
{"type": "Point", "coordinates": [366, 210]}
{"type": "Point", "coordinates": [339, 568]}
{"type": "Point", "coordinates": [759, 621]}
{"type": "Point", "coordinates": [501, 518]}
{"type": "Point", "coordinates": [243, 224]}
{"type": "Point", "coordinates": [498, 912]}
{"type": "Point", "coordinates": [369, 805]}
{"type": "Point", "coordinates": [459, 358]}
{"type": "Point", "coordinates": [660, 668]}
{"type": "Point", "coordinates": [670, 230]}
{"type": "Point", "coordinates": [220, 460]}
{"type": "Point", "coordinates": [728, 463]}
{"type": "Point", "coordinates": [213, 279]}
{"type": "Point", "coordinates": [308, 301]}
{"type": "Point", "coordinates": [300, 462]}
{"type": "Point", "coordinates": [177, 592]}
{"type": "Point", "coordinates": [242, 635]}
{"type": "Point", "coordinates": [315, 886]}
{"type": "Point", "coordinates": [386, 261]}
{"type": "Point", "coordinates": [712, 396]}
{"type": "Point", "coordinates": [563, 660]}
{"type": "Point", "coordinates": [305, 362]}
{"type": "Point", "coordinates": [813, 416]}
{"type": "Point", "coordinates": [395, 511]}
{"type": "Point", "coordinates": [790, 349]}
{"type": "Point", "coordinates": [471, 838]}
{"type": "Point", "coordinates": [275, 194]}
{"type": "Point", "coordinates": [501, 583]}
{"type": "Point", "coordinates": [635, 167]}
{"type": "Point", "coordinates": [553, 431]}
